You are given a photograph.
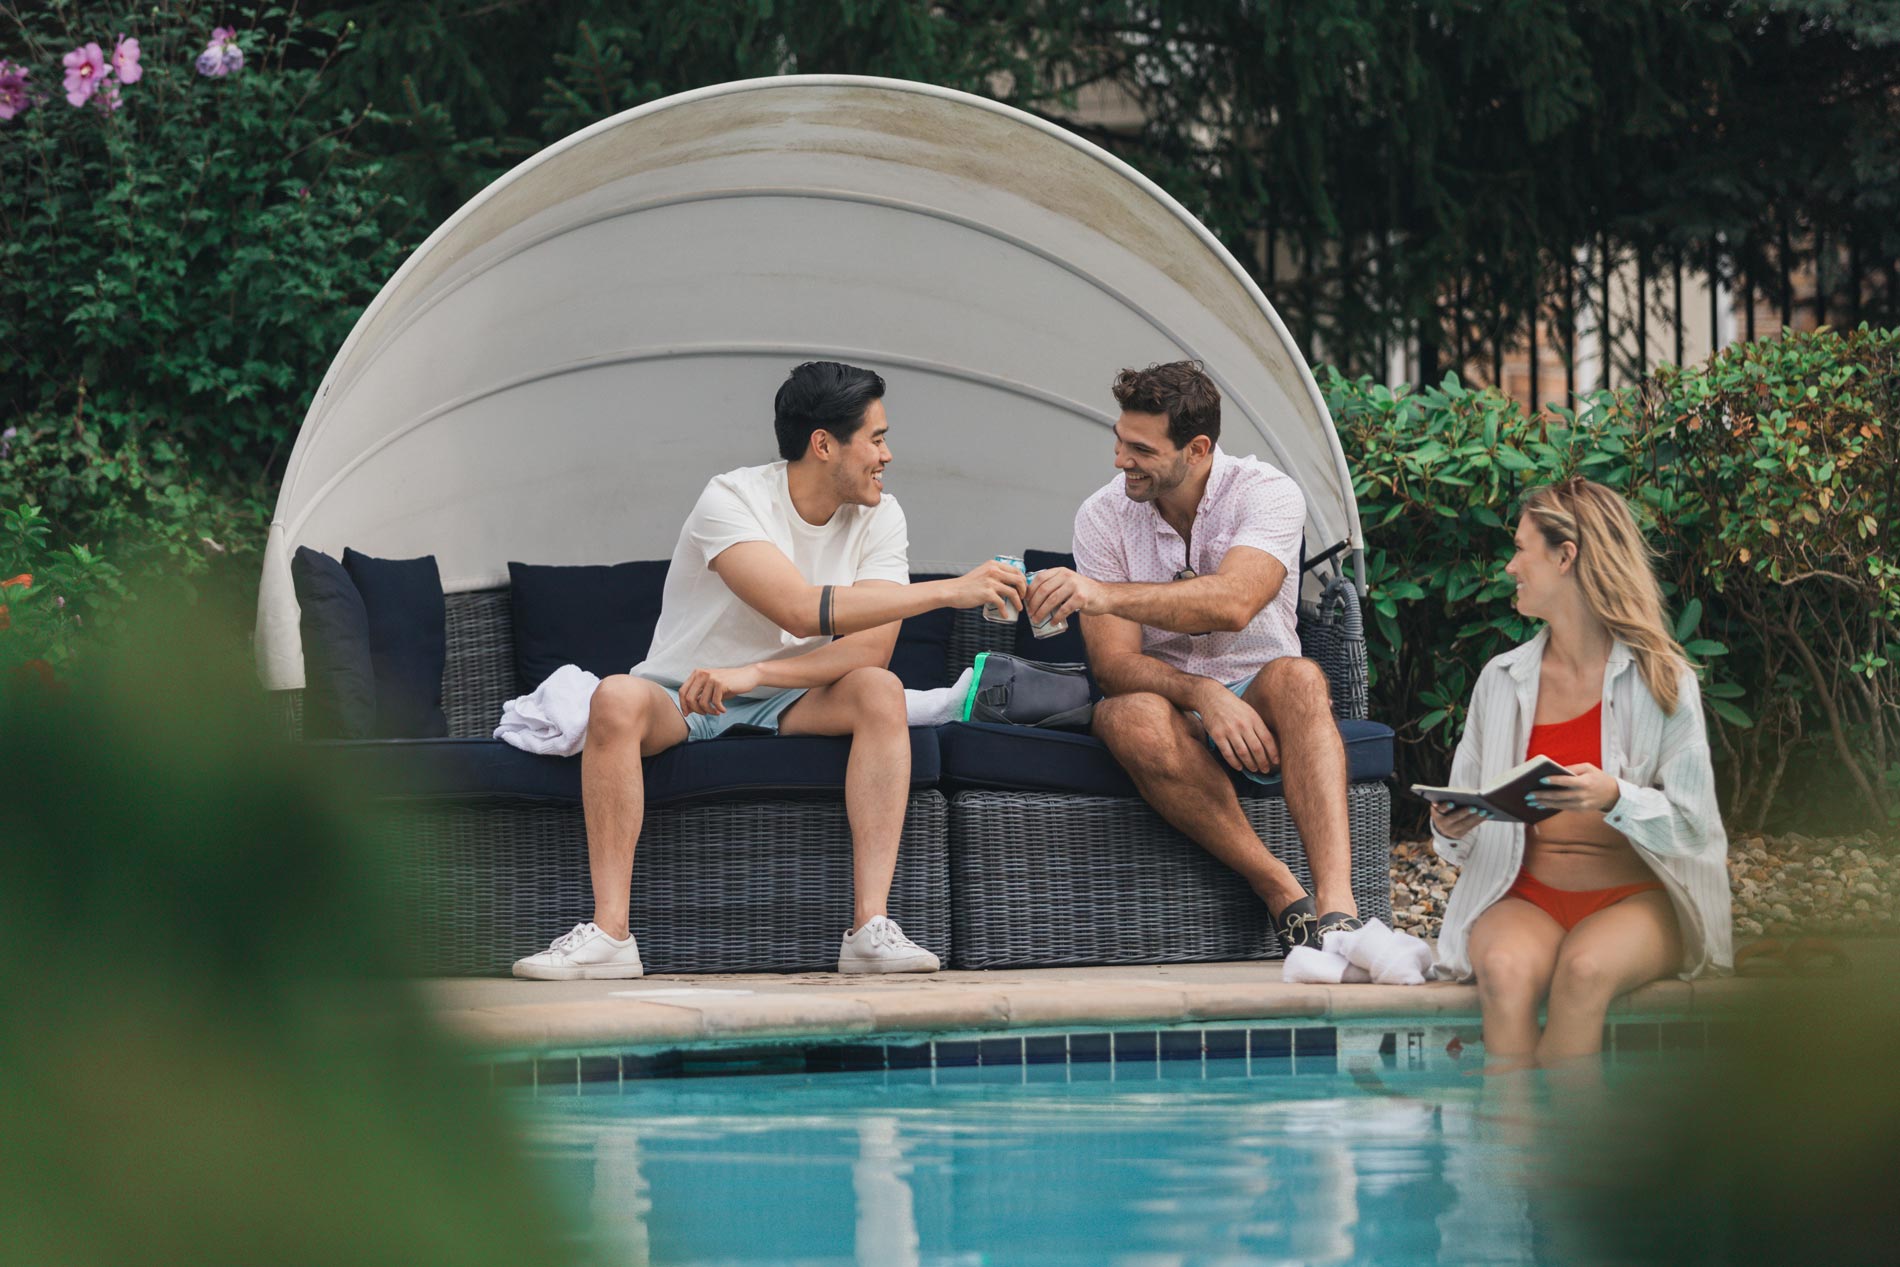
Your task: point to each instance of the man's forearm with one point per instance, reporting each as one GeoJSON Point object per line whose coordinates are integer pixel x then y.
{"type": "Point", "coordinates": [855, 608]}
{"type": "Point", "coordinates": [1203, 605]}
{"type": "Point", "coordinates": [823, 666]}
{"type": "Point", "coordinates": [1133, 671]}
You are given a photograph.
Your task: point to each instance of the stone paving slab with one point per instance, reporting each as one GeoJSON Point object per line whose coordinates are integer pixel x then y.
{"type": "Point", "coordinates": [508, 1015]}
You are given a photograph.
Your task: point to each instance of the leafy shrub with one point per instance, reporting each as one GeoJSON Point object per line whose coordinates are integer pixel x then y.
{"type": "Point", "coordinates": [186, 241]}
{"type": "Point", "coordinates": [1764, 478]}
{"type": "Point", "coordinates": [191, 251]}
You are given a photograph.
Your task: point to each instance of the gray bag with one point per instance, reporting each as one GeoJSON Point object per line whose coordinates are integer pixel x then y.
{"type": "Point", "coordinates": [1006, 688]}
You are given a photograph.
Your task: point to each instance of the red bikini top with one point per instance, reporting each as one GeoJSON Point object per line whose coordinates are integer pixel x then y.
{"type": "Point", "coordinates": [1572, 742]}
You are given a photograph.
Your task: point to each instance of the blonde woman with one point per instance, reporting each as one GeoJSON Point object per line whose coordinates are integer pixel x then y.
{"type": "Point", "coordinates": [1628, 881]}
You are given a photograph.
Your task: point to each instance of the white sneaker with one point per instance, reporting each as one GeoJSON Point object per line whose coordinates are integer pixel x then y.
{"type": "Point", "coordinates": [586, 954]}
{"type": "Point", "coordinates": [880, 946]}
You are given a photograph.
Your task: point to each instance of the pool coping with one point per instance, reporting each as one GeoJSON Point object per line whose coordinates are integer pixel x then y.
{"type": "Point", "coordinates": [505, 1016]}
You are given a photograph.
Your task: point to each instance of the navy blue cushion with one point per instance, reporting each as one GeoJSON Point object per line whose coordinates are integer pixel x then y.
{"type": "Point", "coordinates": [600, 617]}
{"type": "Point", "coordinates": [408, 642]}
{"type": "Point", "coordinates": [339, 679]}
{"type": "Point", "coordinates": [985, 754]}
{"type": "Point", "coordinates": [464, 768]}
{"type": "Point", "coordinates": [1065, 647]}
{"type": "Point", "coordinates": [921, 658]}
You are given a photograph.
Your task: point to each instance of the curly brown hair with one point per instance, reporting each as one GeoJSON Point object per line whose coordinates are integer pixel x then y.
{"type": "Point", "coordinates": [1180, 389]}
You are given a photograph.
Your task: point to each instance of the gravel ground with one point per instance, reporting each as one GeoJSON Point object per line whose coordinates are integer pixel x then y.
{"type": "Point", "coordinates": [1782, 884]}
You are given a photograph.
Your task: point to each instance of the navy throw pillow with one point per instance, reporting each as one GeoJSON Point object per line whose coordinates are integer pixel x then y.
{"type": "Point", "coordinates": [408, 642]}
{"type": "Point", "coordinates": [339, 680]}
{"type": "Point", "coordinates": [921, 658]}
{"type": "Point", "coordinates": [598, 616]}
{"type": "Point", "coordinates": [1064, 648]}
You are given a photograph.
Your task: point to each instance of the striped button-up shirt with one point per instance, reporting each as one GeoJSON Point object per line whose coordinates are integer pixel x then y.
{"type": "Point", "coordinates": [1667, 807]}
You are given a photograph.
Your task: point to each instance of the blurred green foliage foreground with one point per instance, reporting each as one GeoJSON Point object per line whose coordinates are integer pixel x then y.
{"type": "Point", "coordinates": [207, 1054]}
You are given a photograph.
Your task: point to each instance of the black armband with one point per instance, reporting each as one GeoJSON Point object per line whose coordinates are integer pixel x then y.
{"type": "Point", "coordinates": [824, 611]}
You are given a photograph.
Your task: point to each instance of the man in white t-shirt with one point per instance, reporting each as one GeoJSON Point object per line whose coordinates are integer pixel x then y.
{"type": "Point", "coordinates": [780, 612]}
{"type": "Point", "coordinates": [1187, 571]}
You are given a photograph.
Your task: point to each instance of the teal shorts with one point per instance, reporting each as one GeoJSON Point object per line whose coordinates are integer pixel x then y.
{"type": "Point", "coordinates": [743, 716]}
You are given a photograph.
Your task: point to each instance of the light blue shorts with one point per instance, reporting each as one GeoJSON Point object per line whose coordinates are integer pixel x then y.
{"type": "Point", "coordinates": [742, 716]}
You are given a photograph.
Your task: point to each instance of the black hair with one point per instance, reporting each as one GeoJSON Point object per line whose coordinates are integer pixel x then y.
{"type": "Point", "coordinates": [1181, 390]}
{"type": "Point", "coordinates": [822, 396]}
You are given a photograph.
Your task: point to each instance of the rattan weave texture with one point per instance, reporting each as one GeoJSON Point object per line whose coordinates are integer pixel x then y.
{"type": "Point", "coordinates": [1039, 879]}
{"type": "Point", "coordinates": [748, 886]}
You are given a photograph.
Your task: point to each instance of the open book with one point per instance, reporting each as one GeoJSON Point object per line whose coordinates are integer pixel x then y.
{"type": "Point", "coordinates": [1505, 797]}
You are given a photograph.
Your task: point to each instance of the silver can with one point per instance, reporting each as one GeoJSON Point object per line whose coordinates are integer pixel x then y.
{"type": "Point", "coordinates": [1048, 628]}
{"type": "Point", "coordinates": [1003, 613]}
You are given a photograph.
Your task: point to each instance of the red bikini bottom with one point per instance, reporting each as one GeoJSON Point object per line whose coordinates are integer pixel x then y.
{"type": "Point", "coordinates": [1570, 907]}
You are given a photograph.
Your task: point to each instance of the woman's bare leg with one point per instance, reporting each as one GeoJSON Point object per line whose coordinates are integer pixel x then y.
{"type": "Point", "coordinates": [1514, 953]}
{"type": "Point", "coordinates": [1610, 953]}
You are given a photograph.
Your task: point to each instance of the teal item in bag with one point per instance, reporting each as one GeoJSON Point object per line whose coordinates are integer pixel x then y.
{"type": "Point", "coordinates": [1018, 692]}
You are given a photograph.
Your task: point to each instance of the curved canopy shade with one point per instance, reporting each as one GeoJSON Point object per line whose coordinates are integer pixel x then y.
{"type": "Point", "coordinates": [553, 376]}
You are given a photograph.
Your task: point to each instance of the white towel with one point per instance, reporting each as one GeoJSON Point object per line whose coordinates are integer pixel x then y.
{"type": "Point", "coordinates": [552, 719]}
{"type": "Point", "coordinates": [1387, 955]}
{"type": "Point", "coordinates": [1308, 966]}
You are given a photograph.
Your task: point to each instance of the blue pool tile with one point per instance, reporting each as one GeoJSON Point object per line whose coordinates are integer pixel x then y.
{"type": "Point", "coordinates": [1134, 1046]}
{"type": "Point", "coordinates": [956, 1053]}
{"type": "Point", "coordinates": [1270, 1066]}
{"type": "Point", "coordinates": [1269, 1043]}
{"type": "Point", "coordinates": [596, 1070]}
{"type": "Point", "coordinates": [1224, 1044]}
{"type": "Point", "coordinates": [1181, 1044]}
{"type": "Point", "coordinates": [1315, 1041]}
{"type": "Point", "coordinates": [665, 1065]}
{"type": "Point", "coordinates": [1085, 1048]}
{"type": "Point", "coordinates": [996, 1052]}
{"type": "Point", "coordinates": [1046, 1049]}
{"type": "Point", "coordinates": [1047, 1072]}
{"type": "Point", "coordinates": [908, 1056]}
{"type": "Point", "coordinates": [557, 1073]}
{"type": "Point", "coordinates": [851, 1057]}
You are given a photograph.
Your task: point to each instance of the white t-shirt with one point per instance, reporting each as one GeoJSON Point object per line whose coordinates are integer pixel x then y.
{"type": "Point", "coordinates": [704, 625]}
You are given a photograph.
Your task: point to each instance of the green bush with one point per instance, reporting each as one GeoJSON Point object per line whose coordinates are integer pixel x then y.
{"type": "Point", "coordinates": [183, 251]}
{"type": "Point", "coordinates": [1765, 480]}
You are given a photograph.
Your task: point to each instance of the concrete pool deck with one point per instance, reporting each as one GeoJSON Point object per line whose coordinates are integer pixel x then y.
{"type": "Point", "coordinates": [508, 1015]}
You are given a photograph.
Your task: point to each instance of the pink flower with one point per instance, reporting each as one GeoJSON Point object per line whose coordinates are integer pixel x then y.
{"type": "Point", "coordinates": [85, 68]}
{"type": "Point", "coordinates": [13, 98]}
{"type": "Point", "coordinates": [125, 61]}
{"type": "Point", "coordinates": [221, 55]}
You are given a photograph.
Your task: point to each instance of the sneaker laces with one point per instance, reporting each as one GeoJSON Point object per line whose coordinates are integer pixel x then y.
{"type": "Point", "coordinates": [886, 935]}
{"type": "Point", "coordinates": [570, 940]}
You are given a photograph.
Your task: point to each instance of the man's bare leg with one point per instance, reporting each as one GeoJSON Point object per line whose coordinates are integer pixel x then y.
{"type": "Point", "coordinates": [1292, 697]}
{"type": "Point", "coordinates": [868, 705]}
{"type": "Point", "coordinates": [1186, 785]}
{"type": "Point", "coordinates": [628, 718]}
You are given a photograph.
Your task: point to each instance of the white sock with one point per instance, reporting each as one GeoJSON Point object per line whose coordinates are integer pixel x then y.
{"type": "Point", "coordinates": [933, 708]}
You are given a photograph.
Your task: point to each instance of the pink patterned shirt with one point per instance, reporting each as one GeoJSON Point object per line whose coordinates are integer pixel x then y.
{"type": "Point", "coordinates": [1247, 503]}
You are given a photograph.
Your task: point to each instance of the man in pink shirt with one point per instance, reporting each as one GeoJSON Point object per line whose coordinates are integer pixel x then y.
{"type": "Point", "coordinates": [1187, 569]}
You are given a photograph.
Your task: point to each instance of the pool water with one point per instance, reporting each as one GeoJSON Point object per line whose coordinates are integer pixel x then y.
{"type": "Point", "coordinates": [1209, 1161]}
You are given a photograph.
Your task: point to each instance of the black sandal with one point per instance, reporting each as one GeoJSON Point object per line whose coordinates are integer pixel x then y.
{"type": "Point", "coordinates": [1296, 925]}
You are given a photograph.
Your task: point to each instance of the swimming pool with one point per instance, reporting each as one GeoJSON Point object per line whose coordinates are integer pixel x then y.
{"type": "Point", "coordinates": [1369, 1144]}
